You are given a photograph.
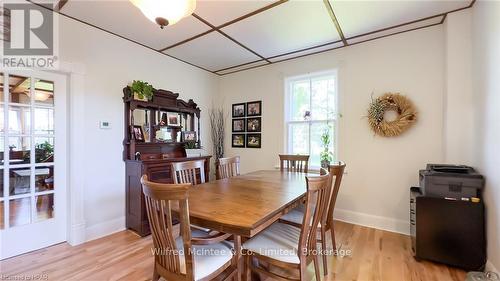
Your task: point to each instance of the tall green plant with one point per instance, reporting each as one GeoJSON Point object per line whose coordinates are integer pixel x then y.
{"type": "Point", "coordinates": [326, 156]}
{"type": "Point", "coordinates": [143, 89]}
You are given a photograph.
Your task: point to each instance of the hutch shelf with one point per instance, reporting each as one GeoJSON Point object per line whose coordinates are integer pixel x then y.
{"type": "Point", "coordinates": [156, 134]}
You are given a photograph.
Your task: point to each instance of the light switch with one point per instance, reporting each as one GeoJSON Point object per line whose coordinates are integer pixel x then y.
{"type": "Point", "coordinates": [104, 125]}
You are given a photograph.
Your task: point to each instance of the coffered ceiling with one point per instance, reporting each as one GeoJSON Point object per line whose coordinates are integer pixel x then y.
{"type": "Point", "coordinates": [227, 36]}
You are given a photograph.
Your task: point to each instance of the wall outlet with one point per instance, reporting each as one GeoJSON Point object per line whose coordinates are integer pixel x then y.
{"type": "Point", "coordinates": [104, 125]}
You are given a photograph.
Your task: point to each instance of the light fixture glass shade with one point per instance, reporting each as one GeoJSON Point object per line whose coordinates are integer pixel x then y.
{"type": "Point", "coordinates": [171, 10]}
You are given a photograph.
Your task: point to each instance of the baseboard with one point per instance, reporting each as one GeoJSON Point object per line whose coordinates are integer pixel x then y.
{"type": "Point", "coordinates": [77, 234]}
{"type": "Point", "coordinates": [104, 229]}
{"type": "Point", "coordinates": [491, 267]}
{"type": "Point", "coordinates": [378, 222]}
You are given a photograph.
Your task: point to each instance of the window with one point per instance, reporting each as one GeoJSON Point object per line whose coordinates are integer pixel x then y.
{"type": "Point", "coordinates": [311, 110]}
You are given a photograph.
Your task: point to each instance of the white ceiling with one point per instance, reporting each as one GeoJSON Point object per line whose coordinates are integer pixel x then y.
{"type": "Point", "coordinates": [234, 35]}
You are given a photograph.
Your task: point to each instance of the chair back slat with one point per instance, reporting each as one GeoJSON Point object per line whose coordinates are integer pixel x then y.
{"type": "Point", "coordinates": [186, 172]}
{"type": "Point", "coordinates": [294, 163]}
{"type": "Point", "coordinates": [228, 167]}
{"type": "Point", "coordinates": [336, 171]}
{"type": "Point", "coordinates": [159, 199]}
{"type": "Point", "coordinates": [316, 200]}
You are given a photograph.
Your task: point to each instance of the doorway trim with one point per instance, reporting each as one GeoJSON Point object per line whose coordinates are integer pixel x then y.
{"type": "Point", "coordinates": [76, 226]}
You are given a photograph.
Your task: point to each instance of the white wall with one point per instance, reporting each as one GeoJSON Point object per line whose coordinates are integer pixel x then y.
{"type": "Point", "coordinates": [486, 77]}
{"type": "Point", "coordinates": [459, 114]}
{"type": "Point", "coordinates": [380, 170]}
{"type": "Point", "coordinates": [110, 64]}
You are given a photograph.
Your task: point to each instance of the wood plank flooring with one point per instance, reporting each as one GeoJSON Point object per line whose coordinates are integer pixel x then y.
{"type": "Point", "coordinates": [376, 255]}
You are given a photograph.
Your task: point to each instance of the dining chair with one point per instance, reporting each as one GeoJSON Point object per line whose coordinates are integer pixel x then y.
{"type": "Point", "coordinates": [295, 216]}
{"type": "Point", "coordinates": [186, 172]}
{"type": "Point", "coordinates": [228, 167]}
{"type": "Point", "coordinates": [189, 256]}
{"type": "Point", "coordinates": [287, 247]}
{"type": "Point", "coordinates": [294, 163]}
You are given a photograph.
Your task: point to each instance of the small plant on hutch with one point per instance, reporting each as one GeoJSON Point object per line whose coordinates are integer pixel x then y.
{"type": "Point", "coordinates": [142, 90]}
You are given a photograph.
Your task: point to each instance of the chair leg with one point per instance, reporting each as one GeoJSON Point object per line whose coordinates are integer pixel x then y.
{"type": "Point", "coordinates": [323, 254]}
{"type": "Point", "coordinates": [316, 268]}
{"type": "Point", "coordinates": [156, 276]}
{"type": "Point", "coordinates": [332, 233]}
{"type": "Point", "coordinates": [246, 267]}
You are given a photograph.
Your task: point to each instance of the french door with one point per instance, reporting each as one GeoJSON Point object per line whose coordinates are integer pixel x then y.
{"type": "Point", "coordinates": [32, 161]}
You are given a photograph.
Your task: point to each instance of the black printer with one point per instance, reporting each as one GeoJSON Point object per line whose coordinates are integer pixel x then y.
{"type": "Point", "coordinates": [450, 181]}
{"type": "Point", "coordinates": [447, 224]}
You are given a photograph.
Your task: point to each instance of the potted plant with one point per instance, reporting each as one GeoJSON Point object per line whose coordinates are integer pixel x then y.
{"type": "Point", "coordinates": [326, 156]}
{"type": "Point", "coordinates": [142, 90]}
{"type": "Point", "coordinates": [192, 149]}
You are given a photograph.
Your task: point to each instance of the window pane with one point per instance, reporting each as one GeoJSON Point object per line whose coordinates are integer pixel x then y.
{"type": "Point", "coordinates": [332, 99]}
{"type": "Point", "coordinates": [300, 100]}
{"type": "Point", "coordinates": [19, 181]}
{"type": "Point", "coordinates": [19, 120]}
{"type": "Point", "coordinates": [44, 178]}
{"type": "Point", "coordinates": [44, 92]}
{"type": "Point", "coordinates": [19, 150]}
{"type": "Point", "coordinates": [299, 138]}
{"type": "Point", "coordinates": [20, 211]}
{"type": "Point", "coordinates": [44, 121]}
{"type": "Point", "coordinates": [20, 89]}
{"type": "Point", "coordinates": [317, 130]}
{"type": "Point", "coordinates": [319, 98]}
{"type": "Point", "coordinates": [44, 150]}
{"type": "Point", "coordinates": [44, 207]}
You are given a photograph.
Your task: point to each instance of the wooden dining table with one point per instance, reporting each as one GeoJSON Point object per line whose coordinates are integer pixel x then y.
{"type": "Point", "coordinates": [246, 204]}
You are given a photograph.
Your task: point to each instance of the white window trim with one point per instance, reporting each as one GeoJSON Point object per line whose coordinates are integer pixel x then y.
{"type": "Point", "coordinates": [334, 121]}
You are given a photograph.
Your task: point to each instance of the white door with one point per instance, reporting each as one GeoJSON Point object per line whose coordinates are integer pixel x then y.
{"type": "Point", "coordinates": [32, 161]}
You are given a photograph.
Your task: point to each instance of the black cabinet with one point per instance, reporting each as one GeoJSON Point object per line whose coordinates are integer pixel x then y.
{"type": "Point", "coordinates": [448, 231]}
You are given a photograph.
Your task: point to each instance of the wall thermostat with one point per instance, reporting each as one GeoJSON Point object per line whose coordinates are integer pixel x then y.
{"type": "Point", "coordinates": [104, 125]}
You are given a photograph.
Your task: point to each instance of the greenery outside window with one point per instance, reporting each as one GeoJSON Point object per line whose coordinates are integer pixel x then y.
{"type": "Point", "coordinates": [311, 109]}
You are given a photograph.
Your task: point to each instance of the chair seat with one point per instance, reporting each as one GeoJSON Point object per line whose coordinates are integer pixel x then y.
{"type": "Point", "coordinates": [295, 216]}
{"type": "Point", "coordinates": [207, 258]}
{"type": "Point", "coordinates": [279, 241]}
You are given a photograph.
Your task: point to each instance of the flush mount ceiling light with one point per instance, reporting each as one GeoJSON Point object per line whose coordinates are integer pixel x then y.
{"type": "Point", "coordinates": [165, 12]}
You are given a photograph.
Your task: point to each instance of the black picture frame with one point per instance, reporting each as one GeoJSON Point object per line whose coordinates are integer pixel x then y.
{"type": "Point", "coordinates": [237, 111]}
{"type": "Point", "coordinates": [235, 129]}
{"type": "Point", "coordinates": [137, 133]}
{"type": "Point", "coordinates": [254, 141]}
{"type": "Point", "coordinates": [241, 137]}
{"type": "Point", "coordinates": [254, 108]}
{"type": "Point", "coordinates": [254, 124]}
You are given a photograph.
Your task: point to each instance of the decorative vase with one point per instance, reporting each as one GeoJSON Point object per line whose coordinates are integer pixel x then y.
{"type": "Point", "coordinates": [325, 164]}
{"type": "Point", "coordinates": [194, 152]}
{"type": "Point", "coordinates": [136, 97]}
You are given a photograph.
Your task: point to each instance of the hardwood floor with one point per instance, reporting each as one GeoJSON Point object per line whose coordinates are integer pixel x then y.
{"type": "Point", "coordinates": [376, 255]}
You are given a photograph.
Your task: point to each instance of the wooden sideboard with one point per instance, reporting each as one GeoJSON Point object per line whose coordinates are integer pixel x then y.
{"type": "Point", "coordinates": [145, 153]}
{"type": "Point", "coordinates": [157, 170]}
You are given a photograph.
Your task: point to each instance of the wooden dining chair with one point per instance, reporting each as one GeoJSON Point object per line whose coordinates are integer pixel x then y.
{"type": "Point", "coordinates": [228, 167]}
{"type": "Point", "coordinates": [189, 256]}
{"type": "Point", "coordinates": [294, 163]}
{"type": "Point", "coordinates": [187, 172]}
{"type": "Point", "coordinates": [287, 247]}
{"type": "Point", "coordinates": [295, 216]}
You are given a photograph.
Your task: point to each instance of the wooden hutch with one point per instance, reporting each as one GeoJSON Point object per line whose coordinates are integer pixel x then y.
{"type": "Point", "coordinates": [152, 143]}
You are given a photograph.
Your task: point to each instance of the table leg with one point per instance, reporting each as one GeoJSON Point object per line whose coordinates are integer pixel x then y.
{"type": "Point", "coordinates": [237, 256]}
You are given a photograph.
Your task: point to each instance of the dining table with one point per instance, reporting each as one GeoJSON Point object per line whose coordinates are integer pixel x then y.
{"type": "Point", "coordinates": [246, 204]}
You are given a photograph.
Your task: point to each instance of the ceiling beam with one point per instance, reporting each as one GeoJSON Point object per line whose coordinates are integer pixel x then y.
{"type": "Point", "coordinates": [228, 37]}
{"type": "Point", "coordinates": [60, 4]}
{"type": "Point", "coordinates": [265, 8]}
{"type": "Point", "coordinates": [329, 8]}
